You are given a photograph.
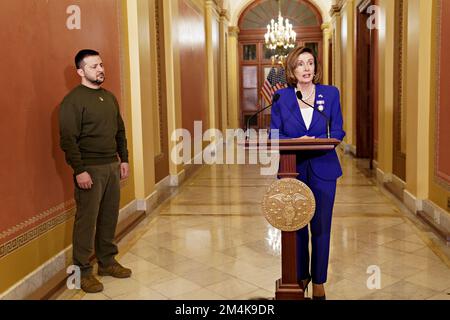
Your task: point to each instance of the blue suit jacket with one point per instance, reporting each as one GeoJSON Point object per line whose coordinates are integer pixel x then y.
{"type": "Point", "coordinates": [287, 118]}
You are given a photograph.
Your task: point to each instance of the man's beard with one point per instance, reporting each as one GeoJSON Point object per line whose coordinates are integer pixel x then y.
{"type": "Point", "coordinates": [97, 80]}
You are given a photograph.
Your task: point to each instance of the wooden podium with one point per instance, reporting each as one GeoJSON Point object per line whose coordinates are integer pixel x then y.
{"type": "Point", "coordinates": [287, 288]}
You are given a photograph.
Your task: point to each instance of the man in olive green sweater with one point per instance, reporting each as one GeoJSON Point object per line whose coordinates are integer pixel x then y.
{"type": "Point", "coordinates": [93, 139]}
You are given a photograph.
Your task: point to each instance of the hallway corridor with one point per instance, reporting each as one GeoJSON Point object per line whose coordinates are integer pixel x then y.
{"type": "Point", "coordinates": [210, 241]}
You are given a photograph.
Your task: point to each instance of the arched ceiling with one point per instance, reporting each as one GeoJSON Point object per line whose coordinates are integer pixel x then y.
{"type": "Point", "coordinates": [237, 7]}
{"type": "Point", "coordinates": [299, 13]}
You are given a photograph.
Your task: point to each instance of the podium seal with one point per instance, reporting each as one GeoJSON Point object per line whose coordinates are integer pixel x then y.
{"type": "Point", "coordinates": [288, 204]}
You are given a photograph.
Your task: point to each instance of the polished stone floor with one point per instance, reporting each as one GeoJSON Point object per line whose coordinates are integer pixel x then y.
{"type": "Point", "coordinates": [210, 241]}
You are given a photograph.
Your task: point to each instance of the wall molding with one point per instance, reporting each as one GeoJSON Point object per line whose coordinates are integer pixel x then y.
{"type": "Point", "coordinates": [147, 203]}
{"type": "Point", "coordinates": [375, 164]}
{"type": "Point", "coordinates": [383, 177]}
{"type": "Point", "coordinates": [35, 232]}
{"type": "Point", "coordinates": [60, 208]}
{"type": "Point", "coordinates": [393, 184]}
{"type": "Point", "coordinates": [177, 179]}
{"type": "Point", "coordinates": [57, 264]}
{"type": "Point", "coordinates": [225, 15]}
{"type": "Point", "coordinates": [436, 217]}
{"type": "Point", "coordinates": [349, 148]}
{"type": "Point", "coordinates": [426, 210]}
{"type": "Point", "coordinates": [441, 178]}
{"type": "Point", "coordinates": [213, 6]}
{"type": "Point", "coordinates": [336, 9]}
{"type": "Point", "coordinates": [233, 31]}
{"type": "Point", "coordinates": [127, 210]}
{"type": "Point", "coordinates": [398, 182]}
{"type": "Point", "coordinates": [39, 276]}
{"type": "Point", "coordinates": [412, 202]}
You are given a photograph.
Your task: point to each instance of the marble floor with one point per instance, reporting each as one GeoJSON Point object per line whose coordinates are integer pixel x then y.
{"type": "Point", "coordinates": [210, 241]}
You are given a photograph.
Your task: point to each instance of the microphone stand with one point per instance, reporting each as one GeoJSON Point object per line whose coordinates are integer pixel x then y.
{"type": "Point", "coordinates": [254, 115]}
{"type": "Point", "coordinates": [275, 99]}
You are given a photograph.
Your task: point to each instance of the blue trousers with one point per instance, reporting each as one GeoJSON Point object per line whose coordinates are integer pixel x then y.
{"type": "Point", "coordinates": [324, 193]}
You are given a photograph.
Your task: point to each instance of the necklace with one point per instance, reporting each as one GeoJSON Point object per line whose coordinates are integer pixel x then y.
{"type": "Point", "coordinates": [310, 93]}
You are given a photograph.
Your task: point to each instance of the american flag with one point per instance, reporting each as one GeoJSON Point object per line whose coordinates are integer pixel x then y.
{"type": "Point", "coordinates": [267, 88]}
{"type": "Point", "coordinates": [274, 81]}
{"type": "Point", "coordinates": [281, 79]}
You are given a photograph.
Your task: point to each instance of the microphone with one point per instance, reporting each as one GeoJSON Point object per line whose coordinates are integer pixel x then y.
{"type": "Point", "coordinates": [300, 97]}
{"type": "Point", "coordinates": [275, 98]}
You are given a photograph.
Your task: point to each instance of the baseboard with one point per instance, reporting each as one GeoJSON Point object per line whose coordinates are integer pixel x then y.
{"type": "Point", "coordinates": [172, 180]}
{"type": "Point", "coordinates": [398, 182]}
{"type": "Point", "coordinates": [437, 218]}
{"type": "Point", "coordinates": [375, 164]}
{"type": "Point", "coordinates": [129, 224]}
{"type": "Point", "coordinates": [177, 179]}
{"type": "Point", "coordinates": [148, 203]}
{"type": "Point", "coordinates": [49, 278]}
{"type": "Point", "coordinates": [168, 186]}
{"type": "Point", "coordinates": [128, 210]}
{"type": "Point", "coordinates": [411, 202]}
{"type": "Point", "coordinates": [163, 183]}
{"type": "Point", "coordinates": [397, 187]}
{"type": "Point", "coordinates": [349, 148]}
{"type": "Point", "coordinates": [383, 177]}
{"type": "Point", "coordinates": [445, 234]}
{"type": "Point", "coordinates": [432, 215]}
{"type": "Point", "coordinates": [395, 190]}
{"type": "Point", "coordinates": [46, 274]}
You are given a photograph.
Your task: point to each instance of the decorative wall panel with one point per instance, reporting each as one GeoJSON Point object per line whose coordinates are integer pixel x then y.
{"type": "Point", "coordinates": [39, 41]}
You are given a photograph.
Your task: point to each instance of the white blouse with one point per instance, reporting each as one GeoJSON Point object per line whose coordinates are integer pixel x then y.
{"type": "Point", "coordinates": [307, 115]}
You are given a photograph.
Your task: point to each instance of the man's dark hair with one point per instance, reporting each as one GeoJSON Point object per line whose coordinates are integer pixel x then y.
{"type": "Point", "coordinates": [83, 54]}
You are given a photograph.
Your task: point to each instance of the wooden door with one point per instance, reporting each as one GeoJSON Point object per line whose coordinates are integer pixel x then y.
{"type": "Point", "coordinates": [399, 138]}
{"type": "Point", "coordinates": [162, 154]}
{"type": "Point", "coordinates": [364, 85]}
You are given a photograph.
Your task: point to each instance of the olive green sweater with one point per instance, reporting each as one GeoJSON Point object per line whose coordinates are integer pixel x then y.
{"type": "Point", "coordinates": [91, 128]}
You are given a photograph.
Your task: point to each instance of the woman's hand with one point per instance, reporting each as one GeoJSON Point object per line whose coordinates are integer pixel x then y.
{"type": "Point", "coordinates": [307, 137]}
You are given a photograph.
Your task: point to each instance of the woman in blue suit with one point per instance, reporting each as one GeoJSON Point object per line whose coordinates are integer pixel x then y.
{"type": "Point", "coordinates": [318, 169]}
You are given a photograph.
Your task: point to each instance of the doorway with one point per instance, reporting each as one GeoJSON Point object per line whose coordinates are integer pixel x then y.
{"type": "Point", "coordinates": [255, 60]}
{"type": "Point", "coordinates": [365, 84]}
{"type": "Point", "coordinates": [399, 130]}
{"type": "Point", "coordinates": [162, 148]}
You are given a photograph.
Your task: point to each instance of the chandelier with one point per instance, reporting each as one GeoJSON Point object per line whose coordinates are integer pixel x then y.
{"type": "Point", "coordinates": [280, 36]}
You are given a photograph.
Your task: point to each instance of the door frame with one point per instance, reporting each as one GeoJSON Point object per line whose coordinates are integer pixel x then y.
{"type": "Point", "coordinates": [365, 83]}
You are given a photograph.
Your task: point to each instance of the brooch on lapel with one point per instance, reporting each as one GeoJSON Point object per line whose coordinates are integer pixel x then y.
{"type": "Point", "coordinates": [320, 105]}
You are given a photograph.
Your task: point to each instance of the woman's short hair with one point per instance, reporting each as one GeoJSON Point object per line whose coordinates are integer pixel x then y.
{"type": "Point", "coordinates": [291, 65]}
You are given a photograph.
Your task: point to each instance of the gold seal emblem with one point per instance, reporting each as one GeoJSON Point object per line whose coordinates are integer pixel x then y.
{"type": "Point", "coordinates": [289, 204]}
